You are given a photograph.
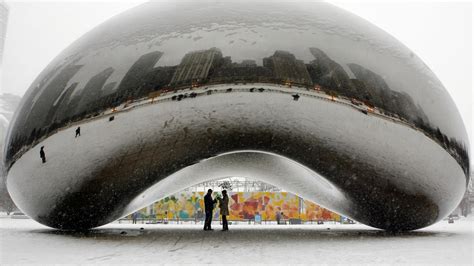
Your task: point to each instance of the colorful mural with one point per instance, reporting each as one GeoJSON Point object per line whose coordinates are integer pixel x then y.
{"type": "Point", "coordinates": [243, 206]}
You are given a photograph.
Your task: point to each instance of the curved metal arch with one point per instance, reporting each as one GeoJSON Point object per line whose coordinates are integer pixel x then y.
{"type": "Point", "coordinates": [187, 82]}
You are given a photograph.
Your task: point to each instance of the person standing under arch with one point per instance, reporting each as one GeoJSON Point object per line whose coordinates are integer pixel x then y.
{"type": "Point", "coordinates": [224, 206]}
{"type": "Point", "coordinates": [208, 207]}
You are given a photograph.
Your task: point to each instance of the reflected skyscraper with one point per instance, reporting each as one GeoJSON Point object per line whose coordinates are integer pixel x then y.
{"type": "Point", "coordinates": [287, 68]}
{"type": "Point", "coordinates": [195, 66]}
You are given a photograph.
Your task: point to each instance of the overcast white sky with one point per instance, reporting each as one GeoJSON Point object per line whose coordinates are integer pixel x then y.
{"type": "Point", "coordinates": [440, 33]}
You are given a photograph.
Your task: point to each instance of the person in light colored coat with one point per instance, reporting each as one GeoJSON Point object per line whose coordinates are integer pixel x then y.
{"type": "Point", "coordinates": [224, 206]}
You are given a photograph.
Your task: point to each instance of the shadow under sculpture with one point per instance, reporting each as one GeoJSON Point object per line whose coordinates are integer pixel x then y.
{"type": "Point", "coordinates": [302, 96]}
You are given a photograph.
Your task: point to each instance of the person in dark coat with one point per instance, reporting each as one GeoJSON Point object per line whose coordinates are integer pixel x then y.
{"type": "Point", "coordinates": [224, 206]}
{"type": "Point", "coordinates": [42, 154]}
{"type": "Point", "coordinates": [134, 217]}
{"type": "Point", "coordinates": [208, 207]}
{"type": "Point", "coordinates": [78, 132]}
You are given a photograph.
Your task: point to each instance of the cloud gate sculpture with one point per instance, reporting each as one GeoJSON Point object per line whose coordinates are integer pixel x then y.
{"type": "Point", "coordinates": [302, 96]}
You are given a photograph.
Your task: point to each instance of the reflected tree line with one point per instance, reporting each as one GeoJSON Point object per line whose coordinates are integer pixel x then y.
{"type": "Point", "coordinates": [55, 102]}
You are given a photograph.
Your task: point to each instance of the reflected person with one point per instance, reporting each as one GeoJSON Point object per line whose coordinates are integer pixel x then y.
{"type": "Point", "coordinates": [208, 207]}
{"type": "Point", "coordinates": [224, 206]}
{"type": "Point", "coordinates": [42, 154]}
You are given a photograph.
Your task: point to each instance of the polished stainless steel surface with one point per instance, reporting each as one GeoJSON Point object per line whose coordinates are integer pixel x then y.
{"type": "Point", "coordinates": [303, 96]}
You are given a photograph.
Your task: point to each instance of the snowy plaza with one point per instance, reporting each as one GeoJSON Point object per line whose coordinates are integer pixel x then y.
{"type": "Point", "coordinates": [25, 241]}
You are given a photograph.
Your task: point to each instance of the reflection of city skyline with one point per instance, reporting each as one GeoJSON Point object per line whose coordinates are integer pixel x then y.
{"type": "Point", "coordinates": [210, 67]}
{"type": "Point", "coordinates": [56, 105]}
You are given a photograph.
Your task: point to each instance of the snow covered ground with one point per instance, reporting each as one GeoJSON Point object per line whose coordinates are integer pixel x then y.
{"type": "Point", "coordinates": [25, 241]}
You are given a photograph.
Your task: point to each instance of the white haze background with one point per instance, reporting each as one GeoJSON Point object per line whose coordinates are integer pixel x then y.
{"type": "Point", "coordinates": [440, 33]}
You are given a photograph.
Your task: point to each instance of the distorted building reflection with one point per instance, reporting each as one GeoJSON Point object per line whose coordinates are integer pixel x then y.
{"type": "Point", "coordinates": [205, 67]}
